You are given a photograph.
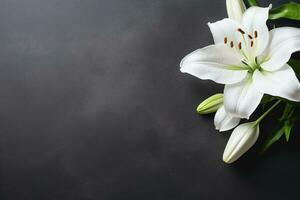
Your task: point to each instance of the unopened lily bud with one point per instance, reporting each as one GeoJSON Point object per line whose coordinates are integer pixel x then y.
{"type": "Point", "coordinates": [235, 9]}
{"type": "Point", "coordinates": [241, 140]}
{"type": "Point", "coordinates": [211, 104]}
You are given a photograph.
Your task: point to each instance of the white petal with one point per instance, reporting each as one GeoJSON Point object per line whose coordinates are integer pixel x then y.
{"type": "Point", "coordinates": [283, 42]}
{"type": "Point", "coordinates": [235, 9]}
{"type": "Point", "coordinates": [282, 83]}
{"type": "Point", "coordinates": [242, 99]}
{"type": "Point", "coordinates": [224, 121]}
{"type": "Point", "coordinates": [255, 19]}
{"type": "Point", "coordinates": [241, 140]}
{"type": "Point", "coordinates": [226, 28]}
{"type": "Point", "coordinates": [214, 62]}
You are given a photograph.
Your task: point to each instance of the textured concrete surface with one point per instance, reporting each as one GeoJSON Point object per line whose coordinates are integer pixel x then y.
{"type": "Point", "coordinates": [93, 107]}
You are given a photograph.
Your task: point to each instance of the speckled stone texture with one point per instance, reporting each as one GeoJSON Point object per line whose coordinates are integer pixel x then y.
{"type": "Point", "coordinates": [93, 107]}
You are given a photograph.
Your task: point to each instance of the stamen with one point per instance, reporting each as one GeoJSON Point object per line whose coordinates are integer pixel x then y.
{"type": "Point", "coordinates": [250, 37]}
{"type": "Point", "coordinates": [241, 31]}
{"type": "Point", "coordinates": [231, 44]}
{"type": "Point", "coordinates": [240, 45]}
{"type": "Point", "coordinates": [255, 34]}
{"type": "Point", "coordinates": [225, 40]}
{"type": "Point", "coordinates": [252, 43]}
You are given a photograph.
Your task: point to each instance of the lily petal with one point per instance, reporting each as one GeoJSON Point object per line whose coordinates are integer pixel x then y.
{"type": "Point", "coordinates": [215, 62]}
{"type": "Point", "coordinates": [283, 43]}
{"type": "Point", "coordinates": [225, 31]}
{"type": "Point", "coordinates": [224, 121]}
{"type": "Point", "coordinates": [242, 99]}
{"type": "Point", "coordinates": [235, 9]}
{"type": "Point", "coordinates": [254, 21]}
{"type": "Point", "coordinates": [282, 83]}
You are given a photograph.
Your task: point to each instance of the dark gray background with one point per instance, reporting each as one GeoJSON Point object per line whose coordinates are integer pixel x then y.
{"type": "Point", "coordinates": [93, 107]}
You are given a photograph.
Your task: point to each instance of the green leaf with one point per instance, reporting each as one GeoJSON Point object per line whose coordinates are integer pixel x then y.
{"type": "Point", "coordinates": [295, 64]}
{"type": "Point", "coordinates": [288, 125]}
{"type": "Point", "coordinates": [296, 114]}
{"type": "Point", "coordinates": [267, 99]}
{"type": "Point", "coordinates": [289, 10]}
{"type": "Point", "coordinates": [252, 2]}
{"type": "Point", "coordinates": [273, 137]}
{"type": "Point", "coordinates": [287, 113]}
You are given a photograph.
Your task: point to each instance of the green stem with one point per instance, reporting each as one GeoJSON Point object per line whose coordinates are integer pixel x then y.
{"type": "Point", "coordinates": [252, 2]}
{"type": "Point", "coordinates": [267, 112]}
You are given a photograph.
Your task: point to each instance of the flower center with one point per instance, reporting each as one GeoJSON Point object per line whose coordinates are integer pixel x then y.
{"type": "Point", "coordinates": [245, 46]}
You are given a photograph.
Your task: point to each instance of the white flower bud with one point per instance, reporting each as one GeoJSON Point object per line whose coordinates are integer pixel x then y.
{"type": "Point", "coordinates": [211, 104]}
{"type": "Point", "coordinates": [241, 140]}
{"type": "Point", "coordinates": [235, 9]}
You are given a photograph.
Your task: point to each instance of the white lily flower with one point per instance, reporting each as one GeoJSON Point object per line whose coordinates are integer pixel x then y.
{"type": "Point", "coordinates": [241, 140]}
{"type": "Point", "coordinates": [249, 60]}
{"type": "Point", "coordinates": [235, 9]}
{"type": "Point", "coordinates": [224, 121]}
